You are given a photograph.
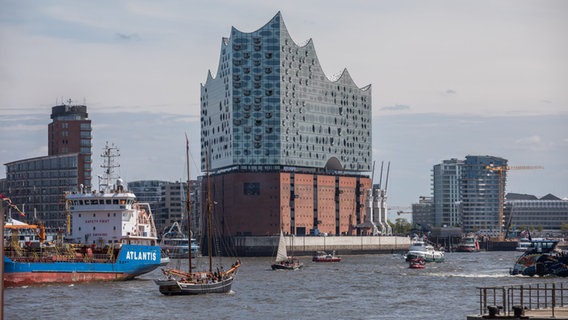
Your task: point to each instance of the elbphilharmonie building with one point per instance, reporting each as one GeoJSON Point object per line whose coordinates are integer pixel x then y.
{"type": "Point", "coordinates": [278, 131]}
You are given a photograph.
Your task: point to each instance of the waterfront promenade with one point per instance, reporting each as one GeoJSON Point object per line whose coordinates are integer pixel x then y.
{"type": "Point", "coordinates": [307, 245]}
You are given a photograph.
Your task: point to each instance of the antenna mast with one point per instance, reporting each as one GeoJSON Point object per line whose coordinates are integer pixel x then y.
{"type": "Point", "coordinates": [109, 163]}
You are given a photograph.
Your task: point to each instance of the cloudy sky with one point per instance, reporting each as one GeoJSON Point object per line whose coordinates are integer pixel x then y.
{"type": "Point", "coordinates": [449, 78]}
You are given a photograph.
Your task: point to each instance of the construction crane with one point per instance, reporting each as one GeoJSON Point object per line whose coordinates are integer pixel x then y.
{"type": "Point", "coordinates": [500, 170]}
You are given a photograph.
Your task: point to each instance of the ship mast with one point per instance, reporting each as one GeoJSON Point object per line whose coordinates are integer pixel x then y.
{"type": "Point", "coordinates": [188, 203]}
{"type": "Point", "coordinates": [209, 236]}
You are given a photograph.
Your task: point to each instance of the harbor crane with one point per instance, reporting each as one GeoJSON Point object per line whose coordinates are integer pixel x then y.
{"type": "Point", "coordinates": [500, 170]}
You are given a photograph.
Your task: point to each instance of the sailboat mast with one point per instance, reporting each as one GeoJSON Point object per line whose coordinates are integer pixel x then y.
{"type": "Point", "coordinates": [209, 236]}
{"type": "Point", "coordinates": [188, 203]}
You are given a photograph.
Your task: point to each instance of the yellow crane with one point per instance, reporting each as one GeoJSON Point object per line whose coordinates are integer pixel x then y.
{"type": "Point", "coordinates": [500, 170]}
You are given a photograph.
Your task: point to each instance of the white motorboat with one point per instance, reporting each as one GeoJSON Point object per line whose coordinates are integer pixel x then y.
{"type": "Point", "coordinates": [419, 248]}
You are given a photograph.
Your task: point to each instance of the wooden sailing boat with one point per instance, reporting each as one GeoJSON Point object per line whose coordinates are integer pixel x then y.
{"type": "Point", "coordinates": [179, 282]}
{"type": "Point", "coordinates": [283, 261]}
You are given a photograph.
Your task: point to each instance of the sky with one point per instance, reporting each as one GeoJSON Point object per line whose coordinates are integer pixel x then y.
{"type": "Point", "coordinates": [449, 79]}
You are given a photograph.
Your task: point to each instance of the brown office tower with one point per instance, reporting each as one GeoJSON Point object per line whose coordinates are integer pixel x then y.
{"type": "Point", "coordinates": [70, 133]}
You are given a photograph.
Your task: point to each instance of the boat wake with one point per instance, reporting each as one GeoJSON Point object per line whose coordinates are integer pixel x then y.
{"type": "Point", "coordinates": [472, 275]}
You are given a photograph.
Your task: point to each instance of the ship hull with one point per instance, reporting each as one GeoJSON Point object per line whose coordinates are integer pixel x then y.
{"type": "Point", "coordinates": [466, 249]}
{"type": "Point", "coordinates": [170, 287]}
{"type": "Point", "coordinates": [133, 260]}
{"type": "Point", "coordinates": [428, 257]}
{"type": "Point", "coordinates": [532, 264]}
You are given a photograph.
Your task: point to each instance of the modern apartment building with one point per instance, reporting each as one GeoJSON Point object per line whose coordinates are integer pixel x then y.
{"type": "Point", "coordinates": [423, 213]}
{"type": "Point", "coordinates": [446, 184]}
{"type": "Point", "coordinates": [168, 202]}
{"type": "Point", "coordinates": [287, 148]}
{"type": "Point", "coordinates": [38, 184]}
{"type": "Point", "coordinates": [150, 191]}
{"type": "Point", "coordinates": [483, 193]}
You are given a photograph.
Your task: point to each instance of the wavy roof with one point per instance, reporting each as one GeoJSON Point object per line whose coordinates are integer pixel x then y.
{"type": "Point", "coordinates": [309, 46]}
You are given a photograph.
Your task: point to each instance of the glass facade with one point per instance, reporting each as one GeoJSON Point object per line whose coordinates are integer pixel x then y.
{"type": "Point", "coordinates": [483, 194]}
{"type": "Point", "coordinates": [543, 215]}
{"type": "Point", "coordinates": [38, 185]}
{"type": "Point", "coordinates": [270, 105]}
{"type": "Point", "coordinates": [446, 184]}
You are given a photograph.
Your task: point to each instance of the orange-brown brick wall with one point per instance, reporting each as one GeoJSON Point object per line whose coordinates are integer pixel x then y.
{"type": "Point", "coordinates": [261, 203]}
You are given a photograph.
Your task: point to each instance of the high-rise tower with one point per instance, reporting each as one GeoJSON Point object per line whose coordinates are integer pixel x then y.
{"type": "Point", "coordinates": [288, 148]}
{"type": "Point", "coordinates": [446, 184]}
{"type": "Point", "coordinates": [483, 194]}
{"type": "Point", "coordinates": [70, 132]}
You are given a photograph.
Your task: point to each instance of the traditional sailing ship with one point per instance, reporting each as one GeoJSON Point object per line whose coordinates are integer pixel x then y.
{"type": "Point", "coordinates": [191, 282]}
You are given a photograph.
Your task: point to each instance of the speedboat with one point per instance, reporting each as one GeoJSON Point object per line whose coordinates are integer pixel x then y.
{"type": "Point", "coordinates": [322, 256]}
{"type": "Point", "coordinates": [417, 263]}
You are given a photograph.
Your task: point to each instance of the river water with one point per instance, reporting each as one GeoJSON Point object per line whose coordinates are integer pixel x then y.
{"type": "Point", "coordinates": [359, 287]}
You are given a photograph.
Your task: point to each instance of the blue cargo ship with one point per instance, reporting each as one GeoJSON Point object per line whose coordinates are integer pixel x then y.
{"type": "Point", "coordinates": [112, 237]}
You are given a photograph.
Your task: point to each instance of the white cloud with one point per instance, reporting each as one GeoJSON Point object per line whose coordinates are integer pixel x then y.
{"type": "Point", "coordinates": [396, 107]}
{"type": "Point", "coordinates": [502, 58]}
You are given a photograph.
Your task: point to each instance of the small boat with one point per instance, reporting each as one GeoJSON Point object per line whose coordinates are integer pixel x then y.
{"type": "Point", "coordinates": [525, 243]}
{"type": "Point", "coordinates": [180, 282]}
{"type": "Point", "coordinates": [164, 260]}
{"type": "Point", "coordinates": [417, 263]}
{"type": "Point", "coordinates": [175, 243]}
{"type": "Point", "coordinates": [283, 261]}
{"type": "Point", "coordinates": [322, 256]}
{"type": "Point", "coordinates": [542, 258]}
{"type": "Point", "coordinates": [468, 244]}
{"type": "Point", "coordinates": [419, 248]}
{"type": "Point", "coordinates": [111, 237]}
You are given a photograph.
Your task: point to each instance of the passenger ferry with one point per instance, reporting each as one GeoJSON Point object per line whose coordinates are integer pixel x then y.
{"type": "Point", "coordinates": [175, 244]}
{"type": "Point", "coordinates": [419, 248]}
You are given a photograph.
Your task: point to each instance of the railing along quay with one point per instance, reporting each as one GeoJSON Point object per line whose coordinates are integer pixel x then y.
{"type": "Point", "coordinates": [518, 299]}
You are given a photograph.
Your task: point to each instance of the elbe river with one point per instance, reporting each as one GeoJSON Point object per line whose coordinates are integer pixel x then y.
{"type": "Point", "coordinates": [358, 287]}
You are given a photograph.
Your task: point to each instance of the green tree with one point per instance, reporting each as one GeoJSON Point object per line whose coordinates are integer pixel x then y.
{"type": "Point", "coordinates": [401, 226]}
{"type": "Point", "coordinates": [564, 228]}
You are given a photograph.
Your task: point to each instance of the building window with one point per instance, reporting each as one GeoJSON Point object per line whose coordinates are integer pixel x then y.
{"type": "Point", "coordinates": [251, 188]}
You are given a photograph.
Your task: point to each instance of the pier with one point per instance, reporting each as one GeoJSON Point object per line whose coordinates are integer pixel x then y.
{"type": "Point", "coordinates": [252, 246]}
{"type": "Point", "coordinates": [533, 301]}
